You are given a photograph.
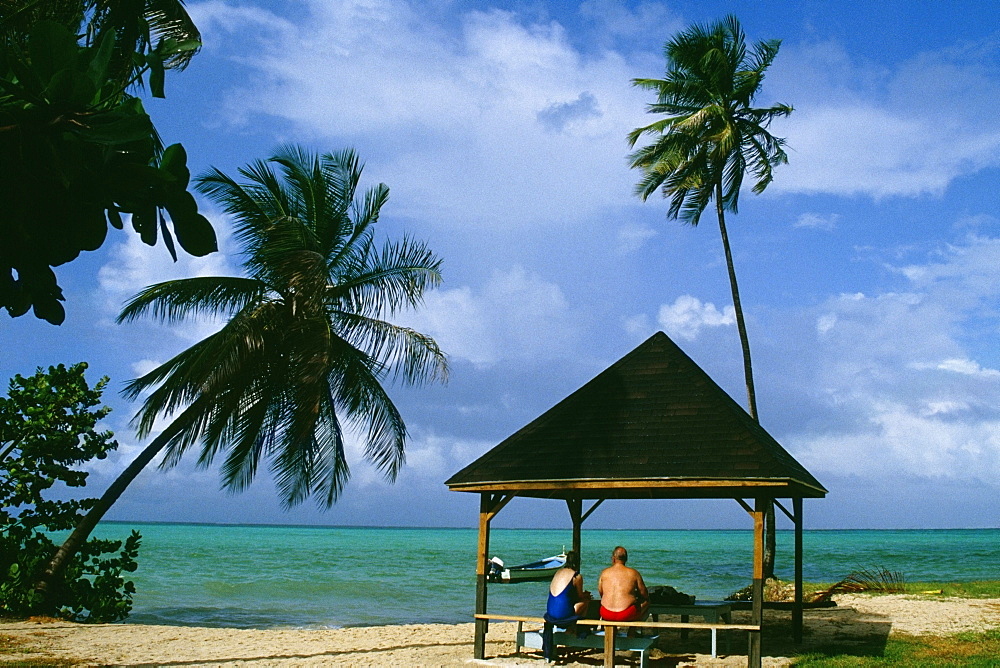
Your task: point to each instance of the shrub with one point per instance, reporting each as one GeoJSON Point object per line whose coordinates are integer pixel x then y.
{"type": "Point", "coordinates": [47, 430]}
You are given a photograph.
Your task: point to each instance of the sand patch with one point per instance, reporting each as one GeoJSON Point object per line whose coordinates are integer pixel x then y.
{"type": "Point", "coordinates": [855, 619]}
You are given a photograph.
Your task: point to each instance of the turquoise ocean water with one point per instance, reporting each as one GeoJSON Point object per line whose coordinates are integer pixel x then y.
{"type": "Point", "coordinates": [307, 577]}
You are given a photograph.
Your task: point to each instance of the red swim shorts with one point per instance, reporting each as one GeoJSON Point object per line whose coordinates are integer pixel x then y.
{"type": "Point", "coordinates": [629, 614]}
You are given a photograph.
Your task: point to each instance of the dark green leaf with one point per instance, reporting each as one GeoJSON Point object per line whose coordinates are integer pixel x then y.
{"type": "Point", "coordinates": [52, 48]}
{"type": "Point", "coordinates": [92, 229]}
{"type": "Point", "coordinates": [168, 240]}
{"type": "Point", "coordinates": [156, 75]}
{"type": "Point", "coordinates": [49, 309]}
{"type": "Point", "coordinates": [144, 222]}
{"type": "Point", "coordinates": [195, 234]}
{"type": "Point", "coordinates": [97, 70]}
{"type": "Point", "coordinates": [174, 162]}
{"type": "Point", "coordinates": [68, 90]}
{"type": "Point", "coordinates": [115, 217]}
{"type": "Point", "coordinates": [117, 128]}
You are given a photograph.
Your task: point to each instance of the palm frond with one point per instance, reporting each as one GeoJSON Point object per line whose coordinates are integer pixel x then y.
{"type": "Point", "coordinates": [356, 385]}
{"type": "Point", "coordinates": [709, 125]}
{"type": "Point", "coordinates": [175, 300]}
{"type": "Point", "coordinates": [382, 282]}
{"type": "Point", "coordinates": [306, 345]}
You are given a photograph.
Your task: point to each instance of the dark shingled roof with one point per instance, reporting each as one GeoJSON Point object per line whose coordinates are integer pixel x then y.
{"type": "Point", "coordinates": [653, 425]}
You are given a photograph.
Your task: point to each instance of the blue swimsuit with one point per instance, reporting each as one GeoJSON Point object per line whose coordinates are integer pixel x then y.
{"type": "Point", "coordinates": [560, 606]}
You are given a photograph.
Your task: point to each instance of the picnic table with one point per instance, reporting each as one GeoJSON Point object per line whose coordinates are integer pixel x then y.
{"type": "Point", "coordinates": [711, 611]}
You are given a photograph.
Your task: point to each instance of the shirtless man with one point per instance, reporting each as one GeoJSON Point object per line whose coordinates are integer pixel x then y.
{"type": "Point", "coordinates": [623, 593]}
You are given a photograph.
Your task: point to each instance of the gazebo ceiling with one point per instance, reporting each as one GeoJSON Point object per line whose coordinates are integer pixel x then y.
{"type": "Point", "coordinates": [652, 425]}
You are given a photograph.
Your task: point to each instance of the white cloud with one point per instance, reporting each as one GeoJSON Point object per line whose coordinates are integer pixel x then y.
{"type": "Point", "coordinates": [515, 316]}
{"type": "Point", "coordinates": [864, 129]}
{"type": "Point", "coordinates": [142, 367]}
{"type": "Point", "coordinates": [944, 408]}
{"type": "Point", "coordinates": [967, 270]}
{"type": "Point", "coordinates": [519, 120]}
{"type": "Point", "coordinates": [899, 440]}
{"type": "Point", "coordinates": [965, 367]}
{"type": "Point", "coordinates": [638, 324]}
{"type": "Point", "coordinates": [433, 457]}
{"type": "Point", "coordinates": [903, 390]}
{"type": "Point", "coordinates": [632, 237]}
{"type": "Point", "coordinates": [818, 221]}
{"type": "Point", "coordinates": [686, 317]}
{"type": "Point", "coordinates": [616, 18]}
{"type": "Point", "coordinates": [133, 266]}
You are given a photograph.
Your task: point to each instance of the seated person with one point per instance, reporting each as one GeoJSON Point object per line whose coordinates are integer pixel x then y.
{"type": "Point", "coordinates": [567, 598]}
{"type": "Point", "coordinates": [623, 593]}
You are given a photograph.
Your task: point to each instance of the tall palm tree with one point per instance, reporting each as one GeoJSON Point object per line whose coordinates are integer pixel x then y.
{"type": "Point", "coordinates": [710, 137]}
{"type": "Point", "coordinates": [306, 346]}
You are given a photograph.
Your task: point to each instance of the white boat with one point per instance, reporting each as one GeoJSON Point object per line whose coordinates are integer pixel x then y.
{"type": "Point", "coordinates": [543, 569]}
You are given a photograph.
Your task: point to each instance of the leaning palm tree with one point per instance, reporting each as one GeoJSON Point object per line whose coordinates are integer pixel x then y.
{"type": "Point", "coordinates": [306, 345]}
{"type": "Point", "coordinates": [711, 136]}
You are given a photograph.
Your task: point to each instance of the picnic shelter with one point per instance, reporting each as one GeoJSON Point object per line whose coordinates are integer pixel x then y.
{"type": "Point", "coordinates": [653, 425]}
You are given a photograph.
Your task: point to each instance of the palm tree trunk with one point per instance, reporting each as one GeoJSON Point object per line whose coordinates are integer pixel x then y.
{"type": "Point", "coordinates": [51, 578]}
{"type": "Point", "coordinates": [769, 527]}
{"type": "Point", "coordinates": [737, 306]}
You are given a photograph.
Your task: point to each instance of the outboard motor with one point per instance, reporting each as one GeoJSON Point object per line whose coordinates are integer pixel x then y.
{"type": "Point", "coordinates": [496, 567]}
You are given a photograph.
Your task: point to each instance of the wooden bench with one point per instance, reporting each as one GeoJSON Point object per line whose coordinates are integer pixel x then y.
{"type": "Point", "coordinates": [610, 637]}
{"type": "Point", "coordinates": [533, 639]}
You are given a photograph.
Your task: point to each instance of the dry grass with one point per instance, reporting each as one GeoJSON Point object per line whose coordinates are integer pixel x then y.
{"type": "Point", "coordinates": [874, 580]}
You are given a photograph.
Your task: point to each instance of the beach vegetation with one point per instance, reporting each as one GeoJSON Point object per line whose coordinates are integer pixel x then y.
{"type": "Point", "coordinates": [711, 137]}
{"type": "Point", "coordinates": [78, 152]}
{"type": "Point", "coordinates": [974, 589]}
{"type": "Point", "coordinates": [866, 580]}
{"type": "Point", "coordinates": [48, 432]}
{"type": "Point", "coordinates": [969, 649]}
{"type": "Point", "coordinates": [305, 344]}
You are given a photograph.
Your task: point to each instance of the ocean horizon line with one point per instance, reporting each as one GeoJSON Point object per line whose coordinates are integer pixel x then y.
{"type": "Point", "coordinates": [524, 528]}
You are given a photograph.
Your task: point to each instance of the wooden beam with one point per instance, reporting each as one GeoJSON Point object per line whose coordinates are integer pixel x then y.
{"type": "Point", "coordinates": [634, 483]}
{"type": "Point", "coordinates": [590, 510]}
{"type": "Point", "coordinates": [746, 506]}
{"type": "Point", "coordinates": [789, 515]}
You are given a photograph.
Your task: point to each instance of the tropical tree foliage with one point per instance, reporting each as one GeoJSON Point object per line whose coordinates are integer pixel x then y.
{"type": "Point", "coordinates": [77, 148]}
{"type": "Point", "coordinates": [47, 430]}
{"type": "Point", "coordinates": [306, 346]}
{"type": "Point", "coordinates": [710, 138]}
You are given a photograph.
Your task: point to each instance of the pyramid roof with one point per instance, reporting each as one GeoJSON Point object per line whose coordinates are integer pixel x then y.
{"type": "Point", "coordinates": [652, 425]}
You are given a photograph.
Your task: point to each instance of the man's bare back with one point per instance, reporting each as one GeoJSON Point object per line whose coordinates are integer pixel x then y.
{"type": "Point", "coordinates": [621, 587]}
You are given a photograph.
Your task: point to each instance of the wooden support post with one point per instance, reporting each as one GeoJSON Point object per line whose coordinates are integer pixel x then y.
{"type": "Point", "coordinates": [797, 610]}
{"type": "Point", "coordinates": [576, 515]}
{"type": "Point", "coordinates": [609, 646]}
{"type": "Point", "coordinates": [482, 554]}
{"type": "Point", "coordinates": [757, 616]}
{"type": "Point", "coordinates": [489, 506]}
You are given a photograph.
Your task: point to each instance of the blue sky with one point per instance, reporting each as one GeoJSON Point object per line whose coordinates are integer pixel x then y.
{"type": "Point", "coordinates": [868, 270]}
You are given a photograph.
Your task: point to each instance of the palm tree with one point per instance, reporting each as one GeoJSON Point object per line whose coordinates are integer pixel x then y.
{"type": "Point", "coordinates": [711, 136]}
{"type": "Point", "coordinates": [138, 25]}
{"type": "Point", "coordinates": [305, 348]}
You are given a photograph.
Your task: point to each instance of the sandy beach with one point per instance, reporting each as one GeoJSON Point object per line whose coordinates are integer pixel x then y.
{"type": "Point", "coordinates": [855, 619]}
